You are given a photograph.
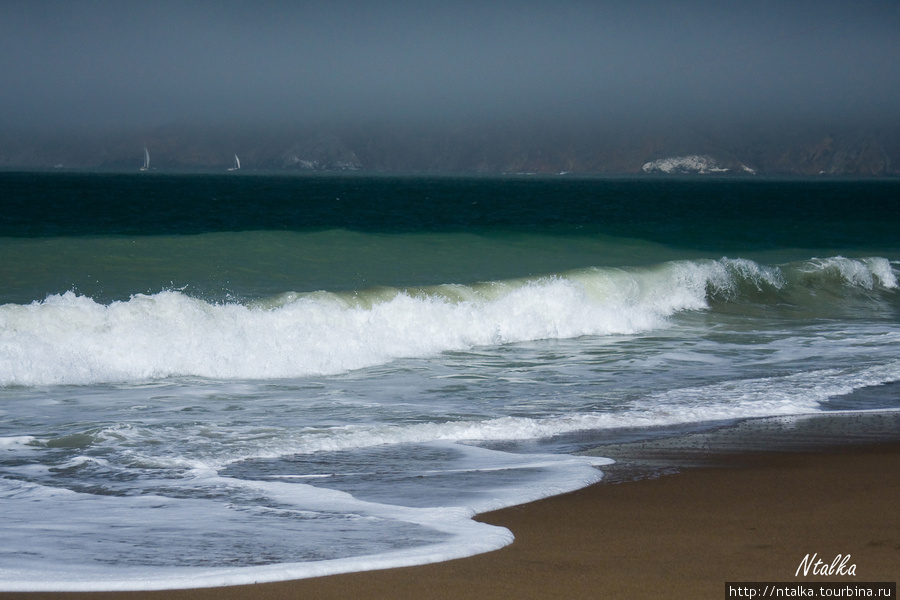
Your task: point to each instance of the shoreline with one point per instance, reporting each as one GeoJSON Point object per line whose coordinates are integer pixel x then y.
{"type": "Point", "coordinates": [672, 450]}
{"type": "Point", "coordinates": [678, 516]}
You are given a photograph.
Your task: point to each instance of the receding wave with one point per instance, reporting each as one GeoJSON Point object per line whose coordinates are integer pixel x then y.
{"type": "Point", "coordinates": [71, 339]}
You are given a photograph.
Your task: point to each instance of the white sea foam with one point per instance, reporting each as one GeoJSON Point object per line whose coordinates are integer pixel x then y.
{"type": "Point", "coordinates": [16, 442]}
{"type": "Point", "coordinates": [866, 273]}
{"type": "Point", "coordinates": [33, 508]}
{"type": "Point", "coordinates": [792, 394]}
{"type": "Point", "coordinates": [218, 447]}
{"type": "Point", "coordinates": [71, 339]}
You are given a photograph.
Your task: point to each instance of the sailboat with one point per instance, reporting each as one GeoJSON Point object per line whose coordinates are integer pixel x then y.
{"type": "Point", "coordinates": [237, 164]}
{"type": "Point", "coordinates": [146, 160]}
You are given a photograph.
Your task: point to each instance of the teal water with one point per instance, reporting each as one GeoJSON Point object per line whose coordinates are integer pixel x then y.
{"type": "Point", "coordinates": [110, 236]}
{"type": "Point", "coordinates": [228, 378]}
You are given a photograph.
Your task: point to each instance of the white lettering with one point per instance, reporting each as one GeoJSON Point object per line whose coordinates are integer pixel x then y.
{"type": "Point", "coordinates": [839, 566]}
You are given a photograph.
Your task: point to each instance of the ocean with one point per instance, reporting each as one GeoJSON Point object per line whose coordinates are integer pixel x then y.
{"type": "Point", "coordinates": [211, 378]}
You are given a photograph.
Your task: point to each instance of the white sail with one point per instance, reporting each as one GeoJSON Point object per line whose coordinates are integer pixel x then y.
{"type": "Point", "coordinates": [237, 163]}
{"type": "Point", "coordinates": [146, 160]}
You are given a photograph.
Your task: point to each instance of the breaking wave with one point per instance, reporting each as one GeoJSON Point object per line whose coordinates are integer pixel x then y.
{"type": "Point", "coordinates": [72, 339]}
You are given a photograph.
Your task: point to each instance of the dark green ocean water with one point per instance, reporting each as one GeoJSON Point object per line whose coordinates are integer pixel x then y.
{"type": "Point", "coordinates": [713, 214]}
{"type": "Point", "coordinates": [112, 235]}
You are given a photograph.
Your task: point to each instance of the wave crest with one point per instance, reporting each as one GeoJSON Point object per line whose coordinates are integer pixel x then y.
{"type": "Point", "coordinates": [71, 339]}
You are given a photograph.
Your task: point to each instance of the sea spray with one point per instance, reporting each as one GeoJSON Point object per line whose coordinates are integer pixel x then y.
{"type": "Point", "coordinates": [71, 339]}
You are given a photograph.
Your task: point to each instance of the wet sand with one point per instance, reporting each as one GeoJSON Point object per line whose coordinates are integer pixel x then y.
{"type": "Point", "coordinates": [677, 517]}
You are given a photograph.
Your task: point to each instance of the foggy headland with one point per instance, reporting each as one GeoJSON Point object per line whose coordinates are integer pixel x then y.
{"type": "Point", "coordinates": [808, 88]}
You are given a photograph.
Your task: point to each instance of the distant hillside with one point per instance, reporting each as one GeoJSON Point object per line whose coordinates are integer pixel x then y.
{"type": "Point", "coordinates": [488, 149]}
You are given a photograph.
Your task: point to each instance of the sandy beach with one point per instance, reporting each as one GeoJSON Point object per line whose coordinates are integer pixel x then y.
{"type": "Point", "coordinates": [765, 497]}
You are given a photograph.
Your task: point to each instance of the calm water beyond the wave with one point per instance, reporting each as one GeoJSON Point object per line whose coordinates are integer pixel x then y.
{"type": "Point", "coordinates": [210, 379]}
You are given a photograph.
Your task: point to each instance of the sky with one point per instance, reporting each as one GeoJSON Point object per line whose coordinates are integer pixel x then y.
{"type": "Point", "coordinates": [111, 64]}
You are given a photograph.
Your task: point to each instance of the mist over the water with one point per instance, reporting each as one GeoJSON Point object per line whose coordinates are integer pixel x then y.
{"type": "Point", "coordinates": [128, 64]}
{"type": "Point", "coordinates": [439, 77]}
